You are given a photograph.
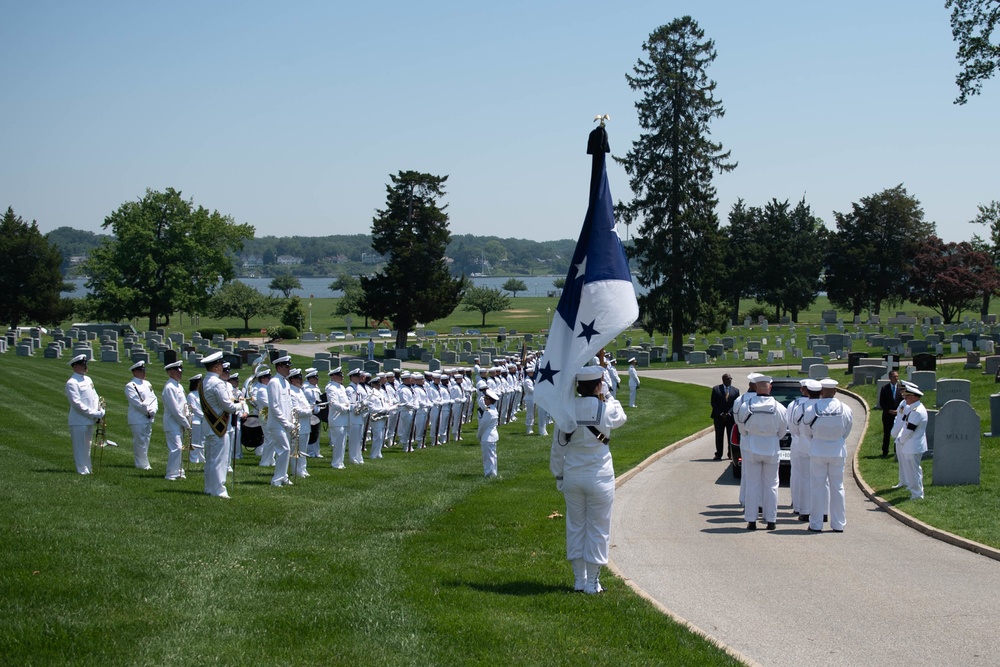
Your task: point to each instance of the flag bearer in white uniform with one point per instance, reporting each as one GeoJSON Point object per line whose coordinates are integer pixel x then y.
{"type": "Point", "coordinates": [585, 474]}
{"type": "Point", "coordinates": [142, 408]}
{"type": "Point", "coordinates": [84, 412]}
{"type": "Point", "coordinates": [827, 423]}
{"type": "Point", "coordinates": [763, 421]}
{"type": "Point", "coordinates": [175, 419]}
{"type": "Point", "coordinates": [217, 406]}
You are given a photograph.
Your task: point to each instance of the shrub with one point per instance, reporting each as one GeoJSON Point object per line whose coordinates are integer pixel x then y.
{"type": "Point", "coordinates": [284, 332]}
{"type": "Point", "coordinates": [755, 312]}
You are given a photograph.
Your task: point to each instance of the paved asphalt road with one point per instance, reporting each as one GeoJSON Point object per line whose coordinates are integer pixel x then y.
{"type": "Point", "coordinates": [878, 594]}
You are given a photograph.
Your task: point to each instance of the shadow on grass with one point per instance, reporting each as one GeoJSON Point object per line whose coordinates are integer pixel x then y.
{"type": "Point", "coordinates": [191, 492]}
{"type": "Point", "coordinates": [511, 587]}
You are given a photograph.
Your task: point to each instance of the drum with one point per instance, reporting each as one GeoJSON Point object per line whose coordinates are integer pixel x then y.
{"type": "Point", "coordinates": [253, 433]}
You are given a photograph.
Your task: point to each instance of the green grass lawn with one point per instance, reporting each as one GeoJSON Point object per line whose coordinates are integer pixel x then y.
{"type": "Point", "coordinates": [412, 560]}
{"type": "Point", "coordinates": [969, 511]}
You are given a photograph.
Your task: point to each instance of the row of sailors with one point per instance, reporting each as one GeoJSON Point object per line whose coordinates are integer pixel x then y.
{"type": "Point", "coordinates": [819, 424]}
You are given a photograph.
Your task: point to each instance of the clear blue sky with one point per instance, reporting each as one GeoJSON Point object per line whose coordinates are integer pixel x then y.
{"type": "Point", "coordinates": [290, 116]}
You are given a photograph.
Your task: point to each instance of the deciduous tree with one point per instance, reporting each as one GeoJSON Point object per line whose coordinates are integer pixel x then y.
{"type": "Point", "coordinates": [165, 255]}
{"type": "Point", "coordinates": [870, 253]}
{"type": "Point", "coordinates": [513, 285]}
{"type": "Point", "coordinates": [989, 215]}
{"type": "Point", "coordinates": [950, 277]}
{"type": "Point", "coordinates": [286, 283]}
{"type": "Point", "coordinates": [670, 169]}
{"type": "Point", "coordinates": [972, 25]}
{"type": "Point", "coordinates": [411, 232]}
{"type": "Point", "coordinates": [237, 299]}
{"type": "Point", "coordinates": [485, 300]}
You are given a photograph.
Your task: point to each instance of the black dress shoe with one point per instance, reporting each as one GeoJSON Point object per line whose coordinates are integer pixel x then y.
{"type": "Point", "coordinates": [837, 531]}
{"type": "Point", "coordinates": [770, 525]}
{"type": "Point", "coordinates": [815, 530]}
{"type": "Point", "coordinates": [803, 517]}
{"type": "Point", "coordinates": [752, 525]}
{"type": "Point", "coordinates": [717, 457]}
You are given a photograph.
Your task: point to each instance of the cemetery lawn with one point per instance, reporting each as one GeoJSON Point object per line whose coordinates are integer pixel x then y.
{"type": "Point", "coordinates": [970, 511]}
{"type": "Point", "coordinates": [411, 560]}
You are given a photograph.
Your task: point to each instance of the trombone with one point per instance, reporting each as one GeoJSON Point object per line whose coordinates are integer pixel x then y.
{"type": "Point", "coordinates": [100, 439]}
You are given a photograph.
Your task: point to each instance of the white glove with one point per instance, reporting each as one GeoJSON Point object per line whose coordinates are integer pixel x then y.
{"type": "Point", "coordinates": [559, 484]}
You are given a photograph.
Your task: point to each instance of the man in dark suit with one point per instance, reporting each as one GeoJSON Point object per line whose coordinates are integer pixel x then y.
{"type": "Point", "coordinates": [723, 397]}
{"type": "Point", "coordinates": [888, 400]}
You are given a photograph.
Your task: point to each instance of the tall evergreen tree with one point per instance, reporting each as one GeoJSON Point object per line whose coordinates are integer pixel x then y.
{"type": "Point", "coordinates": [30, 280]}
{"type": "Point", "coordinates": [869, 255]}
{"type": "Point", "coordinates": [411, 233]}
{"type": "Point", "coordinates": [670, 168]}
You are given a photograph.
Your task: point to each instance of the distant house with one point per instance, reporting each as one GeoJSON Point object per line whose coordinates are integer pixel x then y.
{"type": "Point", "coordinates": [75, 260]}
{"type": "Point", "coordinates": [252, 262]}
{"type": "Point", "coordinates": [371, 258]}
{"type": "Point", "coordinates": [288, 260]}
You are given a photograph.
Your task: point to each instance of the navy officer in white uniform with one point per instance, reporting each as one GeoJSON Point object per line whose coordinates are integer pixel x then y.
{"type": "Point", "coordinates": [142, 408]}
{"type": "Point", "coordinates": [84, 412]}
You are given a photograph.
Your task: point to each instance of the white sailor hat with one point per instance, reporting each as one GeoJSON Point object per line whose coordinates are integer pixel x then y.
{"type": "Point", "coordinates": [813, 385]}
{"type": "Point", "coordinates": [262, 371]}
{"type": "Point", "coordinates": [481, 385]}
{"type": "Point", "coordinates": [911, 388]}
{"type": "Point", "coordinates": [211, 359]}
{"type": "Point", "coordinates": [336, 371]}
{"type": "Point", "coordinates": [530, 369]}
{"type": "Point", "coordinates": [311, 373]}
{"type": "Point", "coordinates": [589, 373]}
{"type": "Point", "coordinates": [475, 359]}
{"type": "Point", "coordinates": [353, 372]}
{"type": "Point", "coordinates": [179, 365]}
{"type": "Point", "coordinates": [752, 377]}
{"type": "Point", "coordinates": [405, 375]}
{"type": "Point", "coordinates": [613, 361]}
{"type": "Point", "coordinates": [138, 365]}
{"type": "Point", "coordinates": [78, 359]}
{"type": "Point", "coordinates": [803, 382]}
{"type": "Point", "coordinates": [828, 383]}
{"type": "Point", "coordinates": [195, 377]}
{"type": "Point", "coordinates": [445, 377]}
{"type": "Point", "coordinates": [458, 376]}
{"type": "Point", "coordinates": [287, 360]}
{"type": "Point", "coordinates": [492, 394]}
{"type": "Point", "coordinates": [631, 360]}
{"type": "Point", "coordinates": [436, 375]}
{"type": "Point", "coordinates": [226, 365]}
{"type": "Point", "coordinates": [374, 379]}
{"type": "Point", "coordinates": [295, 373]}
{"type": "Point", "coordinates": [234, 376]}
{"type": "Point", "coordinates": [762, 379]}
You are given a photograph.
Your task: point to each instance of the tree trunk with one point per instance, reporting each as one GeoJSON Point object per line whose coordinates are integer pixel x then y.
{"type": "Point", "coordinates": [484, 320]}
{"type": "Point", "coordinates": [984, 310]}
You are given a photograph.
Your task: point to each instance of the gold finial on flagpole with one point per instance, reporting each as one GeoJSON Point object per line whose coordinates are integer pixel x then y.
{"type": "Point", "coordinates": [605, 118]}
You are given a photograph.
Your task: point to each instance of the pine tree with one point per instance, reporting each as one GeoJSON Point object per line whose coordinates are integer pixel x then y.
{"type": "Point", "coordinates": [411, 233]}
{"type": "Point", "coordinates": [670, 168]}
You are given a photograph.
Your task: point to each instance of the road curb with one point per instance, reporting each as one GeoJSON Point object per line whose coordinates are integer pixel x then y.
{"type": "Point", "coordinates": [906, 519]}
{"type": "Point", "coordinates": [641, 592]}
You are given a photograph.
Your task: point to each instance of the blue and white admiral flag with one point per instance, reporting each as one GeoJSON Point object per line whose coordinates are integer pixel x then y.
{"type": "Point", "coordinates": [597, 303]}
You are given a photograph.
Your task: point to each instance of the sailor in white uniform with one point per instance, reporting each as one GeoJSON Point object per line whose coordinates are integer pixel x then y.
{"type": "Point", "coordinates": [176, 421]}
{"type": "Point", "coordinates": [339, 417]}
{"type": "Point", "coordinates": [827, 423]}
{"type": "Point", "coordinates": [762, 421]}
{"type": "Point", "coordinates": [142, 408]}
{"type": "Point", "coordinates": [280, 419]}
{"type": "Point", "coordinates": [581, 463]}
{"type": "Point", "coordinates": [911, 441]}
{"type": "Point", "coordinates": [84, 412]}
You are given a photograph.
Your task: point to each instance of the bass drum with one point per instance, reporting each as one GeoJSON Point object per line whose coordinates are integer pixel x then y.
{"type": "Point", "coordinates": [253, 433]}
